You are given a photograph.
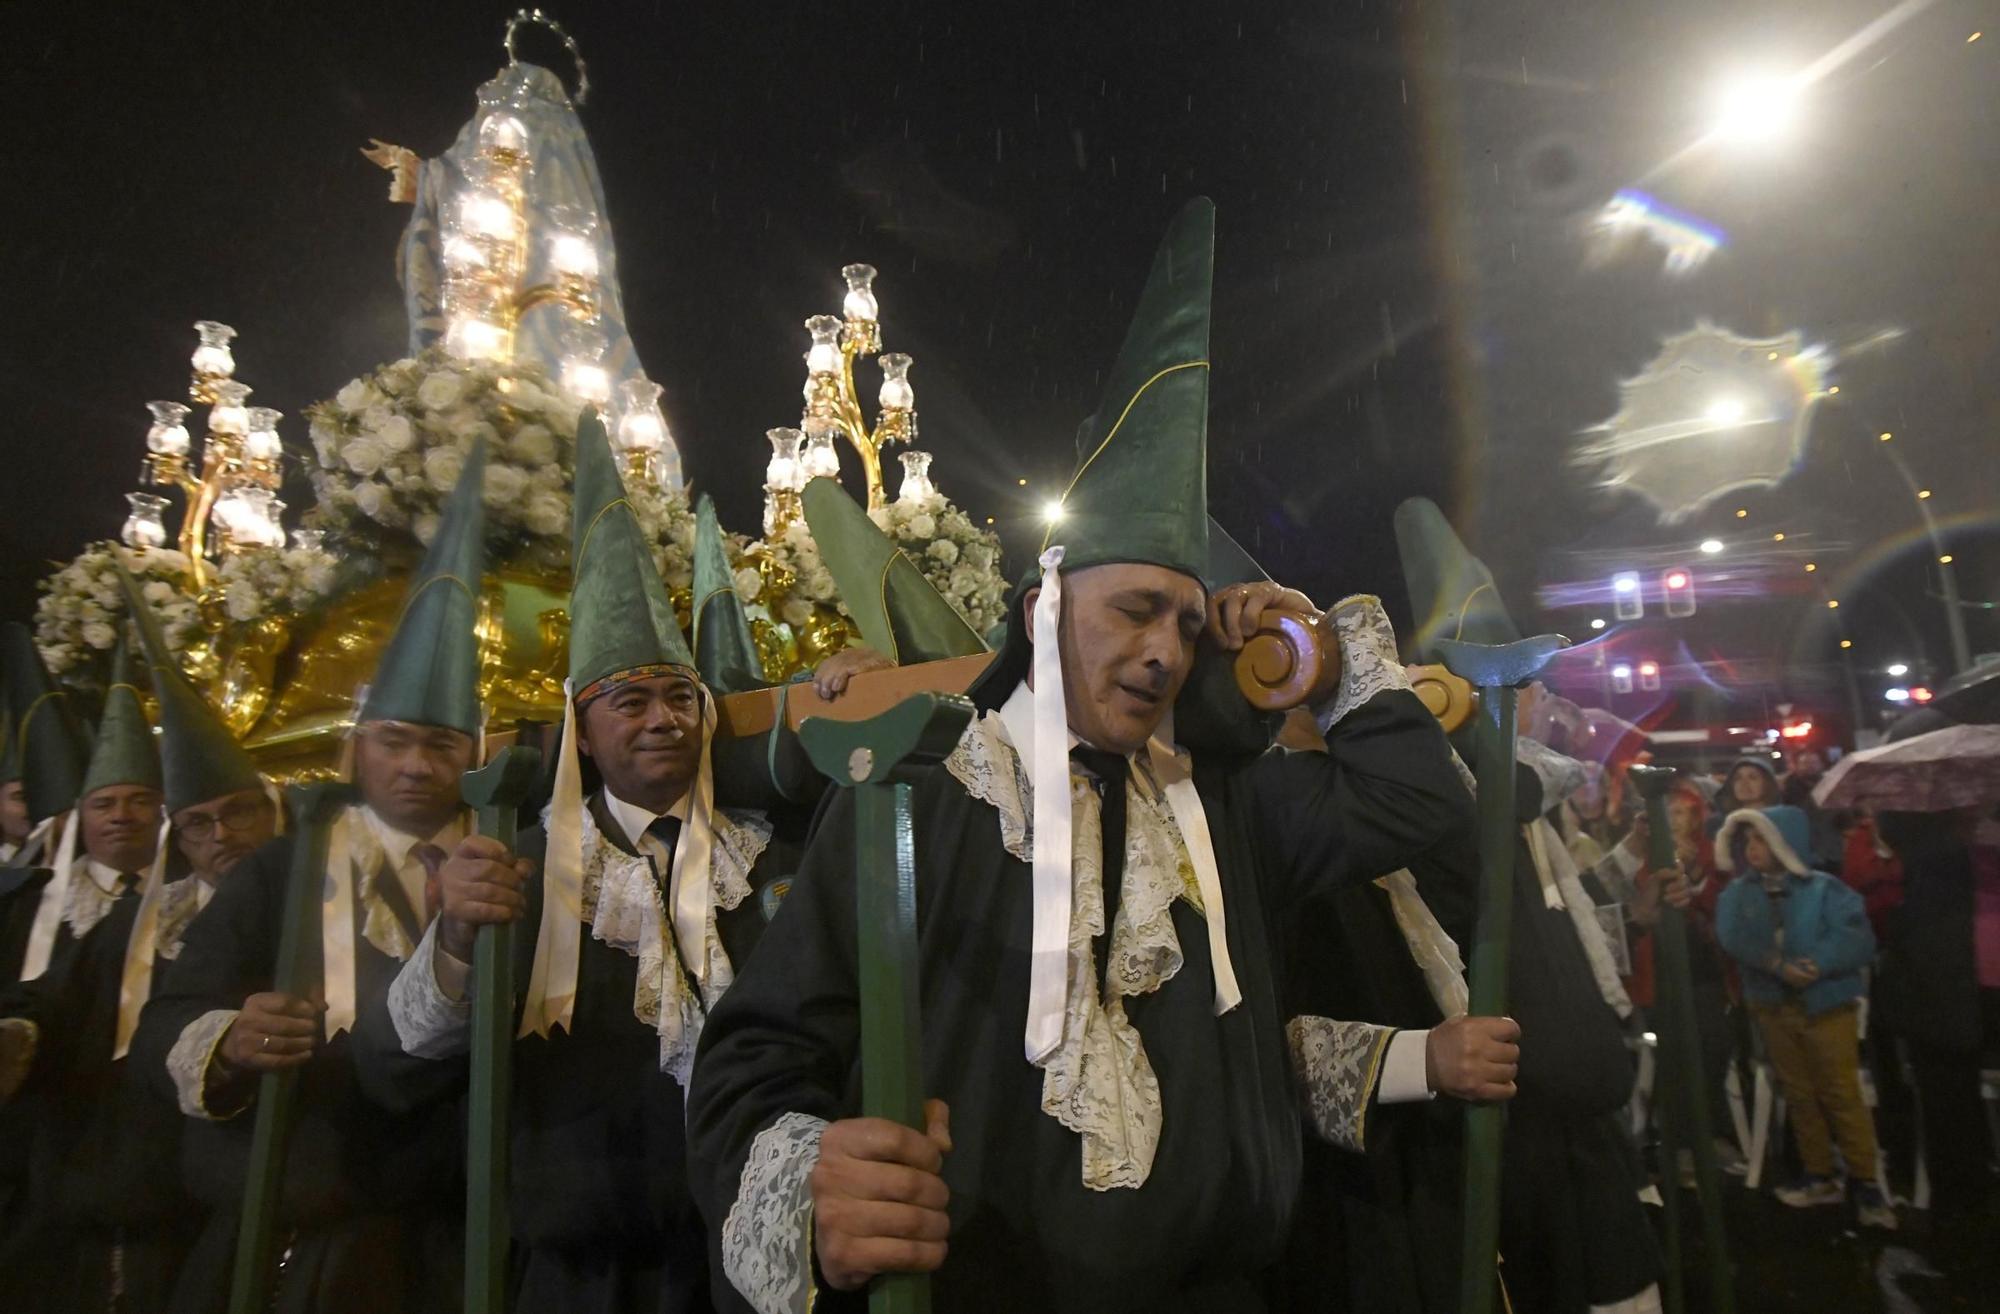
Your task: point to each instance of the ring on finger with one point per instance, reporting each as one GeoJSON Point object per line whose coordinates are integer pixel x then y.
{"type": "Point", "coordinates": [265, 1044]}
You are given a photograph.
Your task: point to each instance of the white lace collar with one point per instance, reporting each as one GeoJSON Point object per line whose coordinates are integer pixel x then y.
{"type": "Point", "coordinates": [625, 909]}
{"type": "Point", "coordinates": [1098, 1082]}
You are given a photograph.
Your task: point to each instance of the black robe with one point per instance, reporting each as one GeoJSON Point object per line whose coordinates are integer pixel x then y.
{"type": "Point", "coordinates": [373, 1203]}
{"type": "Point", "coordinates": [105, 1171]}
{"type": "Point", "coordinates": [20, 896]}
{"type": "Point", "coordinates": [1026, 1233]}
{"type": "Point", "coordinates": [1378, 1232]}
{"type": "Point", "coordinates": [602, 1214]}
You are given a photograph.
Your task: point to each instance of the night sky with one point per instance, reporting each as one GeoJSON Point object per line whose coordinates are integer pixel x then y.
{"type": "Point", "coordinates": [1403, 303]}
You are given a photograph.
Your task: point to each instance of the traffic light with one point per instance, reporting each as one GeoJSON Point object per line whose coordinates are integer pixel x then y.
{"type": "Point", "coordinates": [1649, 676]}
{"type": "Point", "coordinates": [1677, 587]}
{"type": "Point", "coordinates": [1626, 602]}
{"type": "Point", "coordinates": [1621, 678]}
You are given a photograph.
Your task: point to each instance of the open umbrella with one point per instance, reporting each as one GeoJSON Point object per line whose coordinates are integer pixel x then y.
{"type": "Point", "coordinates": [1953, 767]}
{"type": "Point", "coordinates": [1973, 695]}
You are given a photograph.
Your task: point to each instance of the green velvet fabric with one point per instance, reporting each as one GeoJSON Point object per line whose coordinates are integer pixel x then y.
{"type": "Point", "coordinates": [724, 652]}
{"type": "Point", "coordinates": [199, 759]}
{"type": "Point", "coordinates": [430, 673]}
{"type": "Point", "coordinates": [50, 748]}
{"type": "Point", "coordinates": [620, 616]}
{"type": "Point", "coordinates": [898, 611]}
{"type": "Point", "coordinates": [124, 752]}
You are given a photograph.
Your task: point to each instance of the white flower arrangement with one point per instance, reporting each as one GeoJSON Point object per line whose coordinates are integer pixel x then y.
{"type": "Point", "coordinates": [390, 446]}
{"type": "Point", "coordinates": [82, 608]}
{"type": "Point", "coordinates": [961, 560]}
{"type": "Point", "coordinates": [258, 582]}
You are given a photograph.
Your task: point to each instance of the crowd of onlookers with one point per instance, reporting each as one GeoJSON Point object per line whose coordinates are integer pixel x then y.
{"type": "Point", "coordinates": [1825, 944]}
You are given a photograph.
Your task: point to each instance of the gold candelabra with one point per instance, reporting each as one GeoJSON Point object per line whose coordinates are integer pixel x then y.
{"type": "Point", "coordinates": [235, 491]}
{"type": "Point", "coordinates": [832, 405]}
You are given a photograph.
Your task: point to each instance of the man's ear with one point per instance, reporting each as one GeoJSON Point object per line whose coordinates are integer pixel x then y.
{"type": "Point", "coordinates": [1027, 616]}
{"type": "Point", "coordinates": [582, 734]}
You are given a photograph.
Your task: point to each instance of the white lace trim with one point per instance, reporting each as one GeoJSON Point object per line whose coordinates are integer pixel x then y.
{"type": "Point", "coordinates": [1369, 663]}
{"type": "Point", "coordinates": [180, 901]}
{"type": "Point", "coordinates": [623, 903]}
{"type": "Point", "coordinates": [1098, 1081]}
{"type": "Point", "coordinates": [87, 902]}
{"type": "Point", "coordinates": [1560, 776]}
{"type": "Point", "coordinates": [767, 1238]}
{"type": "Point", "coordinates": [429, 1023]}
{"type": "Point", "coordinates": [189, 1061]}
{"type": "Point", "coordinates": [1337, 1064]}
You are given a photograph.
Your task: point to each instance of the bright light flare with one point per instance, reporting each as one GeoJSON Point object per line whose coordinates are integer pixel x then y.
{"type": "Point", "coordinates": [1726, 410]}
{"type": "Point", "coordinates": [1898, 668]}
{"type": "Point", "coordinates": [1052, 511]}
{"type": "Point", "coordinates": [1898, 694]}
{"type": "Point", "coordinates": [1758, 108]}
{"type": "Point", "coordinates": [1919, 694]}
{"type": "Point", "coordinates": [1711, 546]}
{"type": "Point", "coordinates": [1597, 623]}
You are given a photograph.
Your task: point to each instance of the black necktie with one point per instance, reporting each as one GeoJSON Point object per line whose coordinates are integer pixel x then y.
{"type": "Point", "coordinates": [665, 831]}
{"type": "Point", "coordinates": [1111, 771]}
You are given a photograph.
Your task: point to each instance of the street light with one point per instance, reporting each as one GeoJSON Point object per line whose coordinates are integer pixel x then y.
{"type": "Point", "coordinates": [1711, 546]}
{"type": "Point", "coordinates": [1597, 623]}
{"type": "Point", "coordinates": [1897, 669]}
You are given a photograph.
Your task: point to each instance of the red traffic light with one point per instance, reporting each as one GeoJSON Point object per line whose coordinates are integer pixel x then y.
{"type": "Point", "coordinates": [1797, 730]}
{"type": "Point", "coordinates": [1919, 694]}
{"type": "Point", "coordinates": [1677, 579]}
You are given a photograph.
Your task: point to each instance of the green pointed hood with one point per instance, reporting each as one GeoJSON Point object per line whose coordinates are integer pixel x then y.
{"type": "Point", "coordinates": [200, 760]}
{"type": "Point", "coordinates": [1452, 595]}
{"type": "Point", "coordinates": [723, 649]}
{"type": "Point", "coordinates": [1140, 491]}
{"type": "Point", "coordinates": [899, 612]}
{"type": "Point", "coordinates": [429, 674]}
{"type": "Point", "coordinates": [620, 617]}
{"type": "Point", "coordinates": [50, 746]}
{"type": "Point", "coordinates": [124, 754]}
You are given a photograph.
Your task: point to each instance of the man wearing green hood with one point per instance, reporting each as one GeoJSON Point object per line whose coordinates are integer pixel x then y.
{"type": "Point", "coordinates": [370, 1201]}
{"type": "Point", "coordinates": [110, 1148]}
{"type": "Point", "coordinates": [1114, 1124]}
{"type": "Point", "coordinates": [641, 897]}
{"type": "Point", "coordinates": [47, 754]}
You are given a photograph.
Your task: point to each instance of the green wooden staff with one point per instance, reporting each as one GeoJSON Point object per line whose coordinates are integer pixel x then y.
{"type": "Point", "coordinates": [495, 791]}
{"type": "Point", "coordinates": [1680, 1107]}
{"type": "Point", "coordinates": [1498, 671]}
{"type": "Point", "coordinates": [873, 758]}
{"type": "Point", "coordinates": [313, 808]}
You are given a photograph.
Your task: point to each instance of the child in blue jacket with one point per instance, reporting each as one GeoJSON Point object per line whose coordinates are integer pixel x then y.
{"type": "Point", "coordinates": [1802, 940]}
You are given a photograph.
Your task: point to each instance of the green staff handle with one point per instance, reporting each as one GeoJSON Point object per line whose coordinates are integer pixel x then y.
{"type": "Point", "coordinates": [1683, 1111]}
{"type": "Point", "coordinates": [1498, 671]}
{"type": "Point", "coordinates": [313, 808]}
{"type": "Point", "coordinates": [874, 758]}
{"type": "Point", "coordinates": [495, 791]}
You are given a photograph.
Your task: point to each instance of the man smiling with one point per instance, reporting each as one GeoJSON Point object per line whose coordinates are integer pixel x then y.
{"type": "Point", "coordinates": [1114, 1125]}
{"type": "Point", "coordinates": [640, 903]}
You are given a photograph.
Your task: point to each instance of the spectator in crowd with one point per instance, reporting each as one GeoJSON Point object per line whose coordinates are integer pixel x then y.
{"type": "Point", "coordinates": [1750, 784]}
{"type": "Point", "coordinates": [1802, 941]}
{"type": "Point", "coordinates": [1808, 769]}
{"type": "Point", "coordinates": [1871, 869]}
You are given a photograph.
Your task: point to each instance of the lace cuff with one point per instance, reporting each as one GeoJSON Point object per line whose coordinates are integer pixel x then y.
{"type": "Point", "coordinates": [767, 1246]}
{"type": "Point", "coordinates": [1369, 662]}
{"type": "Point", "coordinates": [429, 1022]}
{"type": "Point", "coordinates": [191, 1062]}
{"type": "Point", "coordinates": [1337, 1065]}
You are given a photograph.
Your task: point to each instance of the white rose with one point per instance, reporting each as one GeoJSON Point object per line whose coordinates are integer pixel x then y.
{"type": "Point", "coordinates": [884, 518]}
{"type": "Point", "coordinates": [356, 395]}
{"type": "Point", "coordinates": [375, 416]}
{"type": "Point", "coordinates": [748, 584]}
{"type": "Point", "coordinates": [944, 551]}
{"type": "Point", "coordinates": [442, 466]}
{"type": "Point", "coordinates": [363, 456]}
{"type": "Point", "coordinates": [440, 390]}
{"type": "Point", "coordinates": [546, 514]}
{"type": "Point", "coordinates": [796, 612]}
{"type": "Point", "coordinates": [425, 528]}
{"type": "Point", "coordinates": [964, 581]}
{"type": "Point", "coordinates": [523, 395]}
{"type": "Point", "coordinates": [396, 434]}
{"type": "Point", "coordinates": [369, 498]}
{"type": "Point", "coordinates": [548, 476]}
{"type": "Point", "coordinates": [242, 601]}
{"type": "Point", "coordinates": [504, 486]}
{"type": "Point", "coordinates": [534, 445]}
{"type": "Point", "coordinates": [99, 635]}
{"type": "Point", "coordinates": [157, 591]}
{"type": "Point", "coordinates": [923, 525]}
